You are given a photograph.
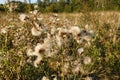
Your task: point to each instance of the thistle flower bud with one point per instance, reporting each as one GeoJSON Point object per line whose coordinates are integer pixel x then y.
{"type": "Point", "coordinates": [3, 30]}
{"type": "Point", "coordinates": [30, 52]}
{"type": "Point", "coordinates": [35, 32]}
{"type": "Point", "coordinates": [23, 17]}
{"type": "Point", "coordinates": [36, 6]}
{"type": "Point", "coordinates": [45, 78]}
{"type": "Point", "coordinates": [75, 30]}
{"type": "Point", "coordinates": [87, 60]}
{"type": "Point", "coordinates": [88, 78]}
{"type": "Point", "coordinates": [38, 60]}
{"type": "Point", "coordinates": [80, 50]}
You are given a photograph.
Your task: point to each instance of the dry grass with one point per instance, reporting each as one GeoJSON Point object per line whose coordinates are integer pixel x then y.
{"type": "Point", "coordinates": [102, 51]}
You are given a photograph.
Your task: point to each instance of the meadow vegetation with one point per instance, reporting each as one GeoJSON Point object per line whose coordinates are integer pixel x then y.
{"type": "Point", "coordinates": [38, 45]}
{"type": "Point", "coordinates": [79, 46]}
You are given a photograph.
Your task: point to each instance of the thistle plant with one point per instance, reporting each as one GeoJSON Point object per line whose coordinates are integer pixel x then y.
{"type": "Point", "coordinates": [64, 44]}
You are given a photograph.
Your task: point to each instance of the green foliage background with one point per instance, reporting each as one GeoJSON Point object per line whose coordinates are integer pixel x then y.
{"type": "Point", "coordinates": [68, 6]}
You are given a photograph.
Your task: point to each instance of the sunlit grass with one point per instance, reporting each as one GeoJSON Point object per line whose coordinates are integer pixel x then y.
{"type": "Point", "coordinates": [72, 57]}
